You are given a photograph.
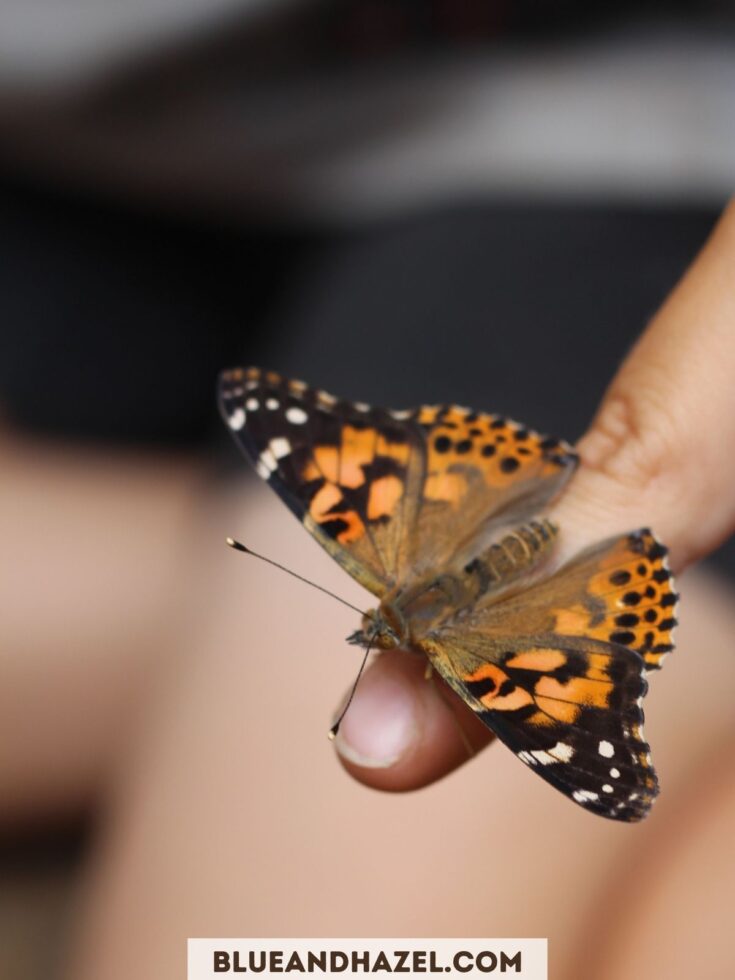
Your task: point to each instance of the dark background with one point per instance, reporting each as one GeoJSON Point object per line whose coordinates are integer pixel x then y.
{"type": "Point", "coordinates": [118, 319]}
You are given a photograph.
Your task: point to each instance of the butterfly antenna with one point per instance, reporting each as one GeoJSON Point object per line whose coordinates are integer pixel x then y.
{"type": "Point", "coordinates": [335, 727]}
{"type": "Point", "coordinates": [238, 546]}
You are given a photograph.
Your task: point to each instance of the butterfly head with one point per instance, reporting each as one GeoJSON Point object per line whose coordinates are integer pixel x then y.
{"type": "Point", "coordinates": [383, 628]}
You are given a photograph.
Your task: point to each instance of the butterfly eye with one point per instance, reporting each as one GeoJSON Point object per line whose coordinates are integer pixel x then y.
{"type": "Point", "coordinates": [385, 638]}
{"type": "Point", "coordinates": [393, 622]}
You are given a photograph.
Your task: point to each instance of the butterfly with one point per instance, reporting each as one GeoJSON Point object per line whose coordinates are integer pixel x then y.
{"type": "Point", "coordinates": [436, 511]}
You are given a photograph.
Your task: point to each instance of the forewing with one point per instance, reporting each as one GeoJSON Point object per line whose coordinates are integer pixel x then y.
{"type": "Point", "coordinates": [569, 709]}
{"type": "Point", "coordinates": [390, 494]}
{"type": "Point", "coordinates": [347, 471]}
{"type": "Point", "coordinates": [558, 671]}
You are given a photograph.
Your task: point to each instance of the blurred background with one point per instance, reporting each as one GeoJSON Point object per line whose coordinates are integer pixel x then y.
{"type": "Point", "coordinates": [397, 200]}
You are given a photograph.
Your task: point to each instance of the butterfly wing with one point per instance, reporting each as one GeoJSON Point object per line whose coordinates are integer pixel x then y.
{"type": "Point", "coordinates": [350, 473]}
{"type": "Point", "coordinates": [390, 494]}
{"type": "Point", "coordinates": [620, 590]}
{"type": "Point", "coordinates": [482, 473]}
{"type": "Point", "coordinates": [556, 675]}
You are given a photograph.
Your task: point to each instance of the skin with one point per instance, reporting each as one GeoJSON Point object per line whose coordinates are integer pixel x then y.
{"type": "Point", "coordinates": [147, 676]}
{"type": "Point", "coordinates": [657, 453]}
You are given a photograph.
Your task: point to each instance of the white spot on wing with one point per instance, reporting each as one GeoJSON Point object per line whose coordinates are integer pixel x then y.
{"type": "Point", "coordinates": [562, 752]}
{"type": "Point", "coordinates": [268, 462]}
{"type": "Point", "coordinates": [584, 795]}
{"type": "Point", "coordinates": [280, 447]}
{"type": "Point", "coordinates": [272, 403]}
{"type": "Point", "coordinates": [615, 773]}
{"type": "Point", "coordinates": [237, 420]}
{"type": "Point", "coordinates": [252, 404]}
{"type": "Point", "coordinates": [401, 413]}
{"type": "Point", "coordinates": [606, 749]}
{"type": "Point", "coordinates": [296, 415]}
{"type": "Point", "coordinates": [361, 406]}
{"type": "Point", "coordinates": [607, 788]}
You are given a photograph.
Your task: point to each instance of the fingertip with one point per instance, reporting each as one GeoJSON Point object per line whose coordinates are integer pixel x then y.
{"type": "Point", "coordinates": [402, 731]}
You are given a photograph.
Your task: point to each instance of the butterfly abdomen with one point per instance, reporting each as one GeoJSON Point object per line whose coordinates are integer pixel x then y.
{"type": "Point", "coordinates": [432, 598]}
{"type": "Point", "coordinates": [514, 555]}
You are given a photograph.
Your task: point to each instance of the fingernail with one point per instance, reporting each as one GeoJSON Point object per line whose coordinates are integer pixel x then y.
{"type": "Point", "coordinates": [382, 722]}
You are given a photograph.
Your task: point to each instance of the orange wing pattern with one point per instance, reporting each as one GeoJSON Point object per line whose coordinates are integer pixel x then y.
{"type": "Point", "coordinates": [390, 493]}
{"type": "Point", "coordinates": [620, 590]}
{"type": "Point", "coordinates": [428, 507]}
{"type": "Point", "coordinates": [558, 670]}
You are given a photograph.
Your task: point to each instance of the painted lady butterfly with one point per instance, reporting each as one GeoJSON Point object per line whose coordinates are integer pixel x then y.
{"type": "Point", "coordinates": [434, 510]}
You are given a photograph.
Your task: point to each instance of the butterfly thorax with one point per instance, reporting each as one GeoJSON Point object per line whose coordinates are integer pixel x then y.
{"type": "Point", "coordinates": [383, 628]}
{"type": "Point", "coordinates": [409, 612]}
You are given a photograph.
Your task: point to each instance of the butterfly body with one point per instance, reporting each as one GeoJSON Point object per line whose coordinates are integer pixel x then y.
{"type": "Point", "coordinates": [405, 616]}
{"type": "Point", "coordinates": [410, 613]}
{"type": "Point", "coordinates": [435, 510]}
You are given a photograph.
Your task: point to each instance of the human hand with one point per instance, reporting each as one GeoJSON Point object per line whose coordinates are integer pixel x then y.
{"type": "Point", "coordinates": [659, 453]}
